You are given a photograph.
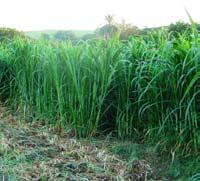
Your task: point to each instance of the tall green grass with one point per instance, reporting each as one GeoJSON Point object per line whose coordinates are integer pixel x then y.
{"type": "Point", "coordinates": [146, 88]}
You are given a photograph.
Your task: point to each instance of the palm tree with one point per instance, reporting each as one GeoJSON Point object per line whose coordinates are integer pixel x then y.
{"type": "Point", "coordinates": [110, 19]}
{"type": "Point", "coordinates": [110, 28]}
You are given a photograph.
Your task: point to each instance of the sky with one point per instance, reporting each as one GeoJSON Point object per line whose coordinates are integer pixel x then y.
{"type": "Point", "coordinates": [30, 15]}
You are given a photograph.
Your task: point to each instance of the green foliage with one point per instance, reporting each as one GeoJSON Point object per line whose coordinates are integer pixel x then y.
{"type": "Point", "coordinates": [179, 28]}
{"type": "Point", "coordinates": [89, 36]}
{"type": "Point", "coordinates": [7, 34]}
{"type": "Point", "coordinates": [175, 29]}
{"type": "Point", "coordinates": [45, 36]}
{"type": "Point", "coordinates": [124, 35]}
{"type": "Point", "coordinates": [127, 30]}
{"type": "Point", "coordinates": [64, 36]}
{"type": "Point", "coordinates": [147, 31]}
{"type": "Point", "coordinates": [145, 89]}
{"type": "Point", "coordinates": [185, 169]}
{"type": "Point", "coordinates": [108, 30]}
{"type": "Point", "coordinates": [37, 34]}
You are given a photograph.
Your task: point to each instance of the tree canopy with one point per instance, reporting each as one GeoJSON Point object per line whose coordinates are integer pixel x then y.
{"type": "Point", "coordinates": [64, 36]}
{"type": "Point", "coordinates": [7, 34]}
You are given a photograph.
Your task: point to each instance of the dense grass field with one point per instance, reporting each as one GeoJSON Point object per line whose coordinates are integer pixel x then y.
{"type": "Point", "coordinates": [145, 89]}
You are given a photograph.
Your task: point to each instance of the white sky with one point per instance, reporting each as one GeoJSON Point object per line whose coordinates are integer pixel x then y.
{"type": "Point", "coordinates": [89, 14]}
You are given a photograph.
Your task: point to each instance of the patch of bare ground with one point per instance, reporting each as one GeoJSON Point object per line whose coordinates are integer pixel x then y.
{"type": "Point", "coordinates": [34, 152]}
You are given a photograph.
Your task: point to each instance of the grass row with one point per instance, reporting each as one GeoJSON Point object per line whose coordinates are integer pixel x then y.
{"type": "Point", "coordinates": [146, 88]}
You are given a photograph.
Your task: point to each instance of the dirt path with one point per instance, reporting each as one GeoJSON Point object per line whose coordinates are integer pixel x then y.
{"type": "Point", "coordinates": [33, 152]}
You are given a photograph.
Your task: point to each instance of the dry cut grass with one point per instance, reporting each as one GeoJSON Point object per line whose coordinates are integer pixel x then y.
{"type": "Point", "coordinates": [35, 152]}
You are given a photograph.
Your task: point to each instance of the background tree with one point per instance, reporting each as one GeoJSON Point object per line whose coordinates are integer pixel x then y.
{"type": "Point", "coordinates": [64, 36]}
{"type": "Point", "coordinates": [179, 28]}
{"type": "Point", "coordinates": [127, 30]}
{"type": "Point", "coordinates": [89, 36]}
{"type": "Point", "coordinates": [7, 34]}
{"type": "Point", "coordinates": [110, 28]}
{"type": "Point", "coordinates": [45, 36]}
{"type": "Point", "coordinates": [110, 19]}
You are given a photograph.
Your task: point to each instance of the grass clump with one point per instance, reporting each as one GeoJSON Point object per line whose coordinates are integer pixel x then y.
{"type": "Point", "coordinates": [146, 88]}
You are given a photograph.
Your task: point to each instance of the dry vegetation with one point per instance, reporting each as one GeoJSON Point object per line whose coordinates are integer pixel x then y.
{"type": "Point", "coordinates": [34, 152]}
